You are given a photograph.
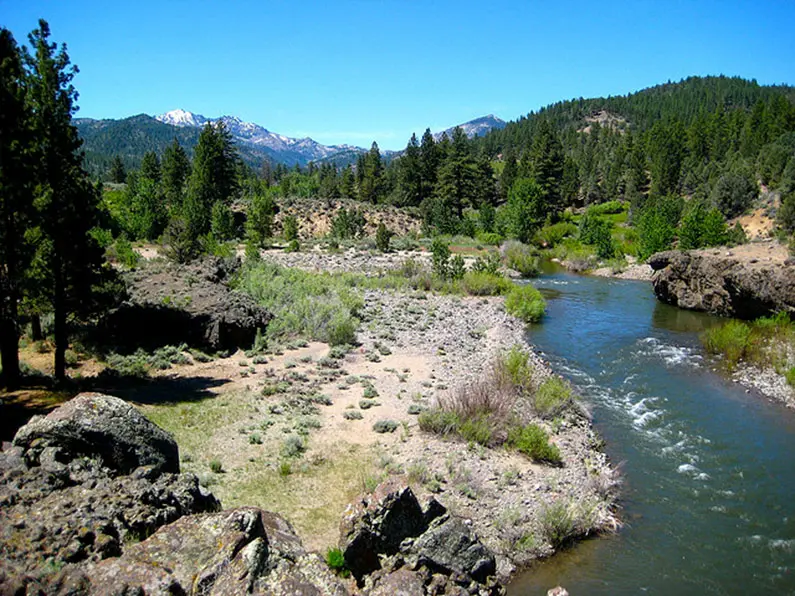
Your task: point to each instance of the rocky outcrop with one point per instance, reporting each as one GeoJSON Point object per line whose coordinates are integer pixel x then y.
{"type": "Point", "coordinates": [171, 305]}
{"type": "Point", "coordinates": [98, 427]}
{"type": "Point", "coordinates": [239, 551]}
{"type": "Point", "coordinates": [80, 484]}
{"type": "Point", "coordinates": [723, 285]}
{"type": "Point", "coordinates": [392, 544]}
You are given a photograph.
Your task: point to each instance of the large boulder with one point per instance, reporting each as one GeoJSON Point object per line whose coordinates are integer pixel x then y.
{"type": "Point", "coordinates": [378, 523]}
{"type": "Point", "coordinates": [98, 427]}
{"type": "Point", "coordinates": [192, 304]}
{"type": "Point", "coordinates": [723, 285]}
{"type": "Point", "coordinates": [393, 545]}
{"type": "Point", "coordinates": [239, 551]}
{"type": "Point", "coordinates": [81, 485]}
{"type": "Point", "coordinates": [450, 548]}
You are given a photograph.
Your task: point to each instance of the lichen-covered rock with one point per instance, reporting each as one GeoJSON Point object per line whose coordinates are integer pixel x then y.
{"type": "Point", "coordinates": [723, 285]}
{"type": "Point", "coordinates": [172, 304]}
{"type": "Point", "coordinates": [99, 427]}
{"type": "Point", "coordinates": [380, 522]}
{"type": "Point", "coordinates": [448, 547]}
{"type": "Point", "coordinates": [239, 551]}
{"type": "Point", "coordinates": [393, 545]}
{"type": "Point", "coordinates": [82, 484]}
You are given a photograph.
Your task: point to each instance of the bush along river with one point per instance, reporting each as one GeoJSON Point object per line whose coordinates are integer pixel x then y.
{"type": "Point", "coordinates": [709, 473]}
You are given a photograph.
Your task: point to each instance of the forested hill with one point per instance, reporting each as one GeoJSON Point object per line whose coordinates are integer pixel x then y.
{"type": "Point", "coordinates": [682, 134]}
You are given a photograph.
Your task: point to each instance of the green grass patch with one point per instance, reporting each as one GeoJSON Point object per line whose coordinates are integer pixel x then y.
{"type": "Point", "coordinates": [533, 441]}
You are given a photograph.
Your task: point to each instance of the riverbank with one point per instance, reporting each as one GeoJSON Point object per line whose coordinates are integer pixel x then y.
{"type": "Point", "coordinates": [300, 429]}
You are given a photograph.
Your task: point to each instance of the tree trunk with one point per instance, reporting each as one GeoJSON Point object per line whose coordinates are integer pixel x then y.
{"type": "Point", "coordinates": [9, 349]}
{"type": "Point", "coordinates": [35, 328]}
{"type": "Point", "coordinates": [61, 335]}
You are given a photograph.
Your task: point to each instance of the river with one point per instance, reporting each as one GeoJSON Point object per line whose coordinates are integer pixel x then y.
{"type": "Point", "coordinates": [708, 499]}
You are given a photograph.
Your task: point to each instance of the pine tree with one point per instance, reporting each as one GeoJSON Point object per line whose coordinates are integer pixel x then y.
{"type": "Point", "coordinates": [546, 157]}
{"type": "Point", "coordinates": [347, 183]}
{"type": "Point", "coordinates": [213, 178]}
{"type": "Point", "coordinates": [174, 171]}
{"type": "Point", "coordinates": [16, 201]}
{"type": "Point", "coordinates": [150, 166]}
{"type": "Point", "coordinates": [429, 159]}
{"type": "Point", "coordinates": [370, 187]}
{"type": "Point", "coordinates": [68, 260]}
{"type": "Point", "coordinates": [117, 172]}
{"type": "Point", "coordinates": [409, 183]}
{"type": "Point", "coordinates": [509, 172]}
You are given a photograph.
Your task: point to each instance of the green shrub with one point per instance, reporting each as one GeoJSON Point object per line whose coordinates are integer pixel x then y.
{"type": "Point", "coordinates": [293, 246]}
{"type": "Point", "coordinates": [342, 331]}
{"type": "Point", "coordinates": [488, 264]}
{"type": "Point", "coordinates": [526, 303]}
{"type": "Point", "coordinates": [550, 236]}
{"type": "Point", "coordinates": [290, 228]}
{"type": "Point", "coordinates": [533, 441]}
{"type": "Point", "coordinates": [485, 284]}
{"type": "Point", "coordinates": [438, 421]}
{"type": "Point", "coordinates": [382, 238]}
{"type": "Point", "coordinates": [552, 396]}
{"type": "Point", "coordinates": [489, 238]}
{"type": "Point", "coordinates": [561, 522]}
{"type": "Point", "coordinates": [608, 208]}
{"type": "Point", "coordinates": [216, 466]}
{"type": "Point", "coordinates": [516, 362]}
{"type": "Point", "coordinates": [122, 252]}
{"type": "Point", "coordinates": [293, 446]}
{"type": "Point", "coordinates": [352, 415]}
{"type": "Point", "coordinates": [477, 429]}
{"type": "Point", "coordinates": [456, 268]}
{"type": "Point", "coordinates": [729, 340]}
{"type": "Point", "coordinates": [440, 258]}
{"type": "Point", "coordinates": [521, 258]}
{"type": "Point", "coordinates": [349, 223]}
{"type": "Point", "coordinates": [790, 376]}
{"type": "Point", "coordinates": [336, 562]}
{"type": "Point", "coordinates": [385, 426]}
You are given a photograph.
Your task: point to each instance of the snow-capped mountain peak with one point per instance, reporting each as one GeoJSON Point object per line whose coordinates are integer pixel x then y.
{"type": "Point", "coordinates": [181, 117]}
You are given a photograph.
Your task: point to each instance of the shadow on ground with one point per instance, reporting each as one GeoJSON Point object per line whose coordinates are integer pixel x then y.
{"type": "Point", "coordinates": [38, 396]}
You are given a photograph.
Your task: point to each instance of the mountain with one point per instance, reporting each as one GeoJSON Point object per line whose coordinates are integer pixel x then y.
{"type": "Point", "coordinates": [131, 137]}
{"type": "Point", "coordinates": [287, 149]}
{"type": "Point", "coordinates": [475, 128]}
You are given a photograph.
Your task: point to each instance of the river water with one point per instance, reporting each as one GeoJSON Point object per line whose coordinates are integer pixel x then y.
{"type": "Point", "coordinates": [709, 470]}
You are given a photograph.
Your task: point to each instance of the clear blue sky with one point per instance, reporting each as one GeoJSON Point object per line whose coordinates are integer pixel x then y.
{"type": "Point", "coordinates": [358, 71]}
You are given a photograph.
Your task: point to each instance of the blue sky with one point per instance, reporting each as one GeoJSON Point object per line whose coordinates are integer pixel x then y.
{"type": "Point", "coordinates": [364, 70]}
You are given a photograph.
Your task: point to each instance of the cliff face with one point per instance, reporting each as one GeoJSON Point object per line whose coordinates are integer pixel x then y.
{"type": "Point", "coordinates": [724, 285]}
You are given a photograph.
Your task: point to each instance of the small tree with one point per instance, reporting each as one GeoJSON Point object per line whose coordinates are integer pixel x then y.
{"type": "Point", "coordinates": [290, 228]}
{"type": "Point", "coordinates": [440, 258]}
{"type": "Point", "coordinates": [733, 194]}
{"type": "Point", "coordinates": [382, 237]}
{"type": "Point", "coordinates": [259, 220]}
{"type": "Point", "coordinates": [525, 209]}
{"type": "Point", "coordinates": [117, 172]}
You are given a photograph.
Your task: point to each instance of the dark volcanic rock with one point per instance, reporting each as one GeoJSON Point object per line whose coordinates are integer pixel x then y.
{"type": "Point", "coordinates": [239, 551]}
{"type": "Point", "coordinates": [83, 483]}
{"type": "Point", "coordinates": [723, 285]}
{"type": "Point", "coordinates": [379, 523]}
{"type": "Point", "coordinates": [171, 304]}
{"type": "Point", "coordinates": [392, 545]}
{"type": "Point", "coordinates": [449, 547]}
{"type": "Point", "coordinates": [99, 427]}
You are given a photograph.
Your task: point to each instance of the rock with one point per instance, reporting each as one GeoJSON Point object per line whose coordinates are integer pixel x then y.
{"type": "Point", "coordinates": [68, 495]}
{"type": "Point", "coordinates": [170, 305]}
{"type": "Point", "coordinates": [557, 591]}
{"type": "Point", "coordinates": [379, 523]}
{"type": "Point", "coordinates": [723, 286]}
{"type": "Point", "coordinates": [448, 547]}
{"type": "Point", "coordinates": [239, 551]}
{"type": "Point", "coordinates": [98, 427]}
{"type": "Point", "coordinates": [402, 582]}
